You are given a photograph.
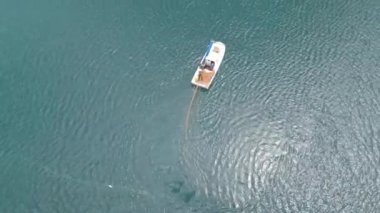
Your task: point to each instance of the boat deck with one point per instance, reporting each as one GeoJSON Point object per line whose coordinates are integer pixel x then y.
{"type": "Point", "coordinates": [205, 77]}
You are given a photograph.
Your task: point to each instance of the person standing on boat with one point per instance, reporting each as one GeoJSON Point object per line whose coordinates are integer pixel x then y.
{"type": "Point", "coordinates": [208, 65]}
{"type": "Point", "coordinates": [212, 65]}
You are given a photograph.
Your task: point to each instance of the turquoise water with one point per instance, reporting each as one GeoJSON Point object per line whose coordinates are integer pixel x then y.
{"type": "Point", "coordinates": [94, 97]}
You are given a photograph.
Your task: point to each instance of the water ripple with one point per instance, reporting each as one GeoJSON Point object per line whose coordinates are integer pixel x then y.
{"type": "Point", "coordinates": [276, 137]}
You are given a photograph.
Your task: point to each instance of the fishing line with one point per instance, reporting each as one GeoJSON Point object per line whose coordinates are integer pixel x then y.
{"type": "Point", "coordinates": [195, 92]}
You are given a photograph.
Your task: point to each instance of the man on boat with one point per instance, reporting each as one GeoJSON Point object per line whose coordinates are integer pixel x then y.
{"type": "Point", "coordinates": [207, 64]}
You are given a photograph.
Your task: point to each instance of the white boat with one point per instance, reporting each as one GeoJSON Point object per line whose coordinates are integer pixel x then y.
{"type": "Point", "coordinates": [209, 65]}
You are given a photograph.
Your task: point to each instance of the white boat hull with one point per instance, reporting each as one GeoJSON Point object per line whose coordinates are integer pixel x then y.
{"type": "Point", "coordinates": [203, 77]}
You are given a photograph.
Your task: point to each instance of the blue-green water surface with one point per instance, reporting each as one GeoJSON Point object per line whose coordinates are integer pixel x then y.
{"type": "Point", "coordinates": [94, 97]}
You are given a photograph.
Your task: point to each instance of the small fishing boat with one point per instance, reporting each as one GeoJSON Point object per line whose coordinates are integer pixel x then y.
{"type": "Point", "coordinates": [209, 65]}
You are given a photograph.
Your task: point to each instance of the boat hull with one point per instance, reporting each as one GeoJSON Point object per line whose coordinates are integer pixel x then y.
{"type": "Point", "coordinates": [203, 77]}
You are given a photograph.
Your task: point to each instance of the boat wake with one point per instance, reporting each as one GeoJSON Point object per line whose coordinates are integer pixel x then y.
{"type": "Point", "coordinates": [195, 91]}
